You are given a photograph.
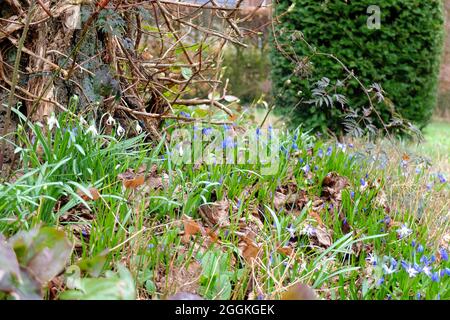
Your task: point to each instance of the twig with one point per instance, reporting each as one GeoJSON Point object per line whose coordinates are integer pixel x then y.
{"type": "Point", "coordinates": [14, 81]}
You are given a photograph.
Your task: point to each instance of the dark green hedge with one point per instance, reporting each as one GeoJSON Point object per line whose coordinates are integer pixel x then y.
{"type": "Point", "coordinates": [403, 56]}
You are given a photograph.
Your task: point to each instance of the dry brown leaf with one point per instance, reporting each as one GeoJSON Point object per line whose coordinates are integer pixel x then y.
{"type": "Point", "coordinates": [131, 180]}
{"type": "Point", "coordinates": [179, 279]}
{"type": "Point", "coordinates": [302, 199]}
{"type": "Point", "coordinates": [381, 201]}
{"type": "Point", "coordinates": [299, 291]}
{"type": "Point", "coordinates": [216, 213]}
{"type": "Point", "coordinates": [332, 186]}
{"type": "Point", "coordinates": [322, 237]}
{"type": "Point", "coordinates": [191, 228]}
{"type": "Point", "coordinates": [212, 235]}
{"type": "Point", "coordinates": [249, 249]}
{"type": "Point", "coordinates": [279, 200]}
{"type": "Point", "coordinates": [287, 251]}
{"type": "Point", "coordinates": [95, 194]}
{"type": "Point", "coordinates": [158, 182]}
{"type": "Point", "coordinates": [317, 217]}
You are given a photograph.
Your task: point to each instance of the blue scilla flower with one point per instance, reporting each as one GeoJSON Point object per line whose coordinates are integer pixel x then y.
{"type": "Point", "coordinates": [352, 194]}
{"type": "Point", "coordinates": [226, 127]}
{"type": "Point", "coordinates": [363, 182]}
{"type": "Point", "coordinates": [435, 277]}
{"type": "Point", "coordinates": [320, 153]}
{"type": "Point", "coordinates": [294, 146]}
{"type": "Point", "coordinates": [329, 151]}
{"type": "Point", "coordinates": [447, 271]}
{"type": "Point", "coordinates": [206, 131]}
{"type": "Point", "coordinates": [185, 114]}
{"type": "Point", "coordinates": [394, 263]}
{"type": "Point", "coordinates": [228, 142]}
{"type": "Point", "coordinates": [301, 160]}
{"type": "Point", "coordinates": [441, 177]}
{"type": "Point", "coordinates": [413, 243]}
{"type": "Point", "coordinates": [380, 281]}
{"type": "Point", "coordinates": [433, 258]}
{"type": "Point", "coordinates": [444, 254]}
{"type": "Point", "coordinates": [424, 260]}
{"type": "Point", "coordinates": [419, 248]}
{"type": "Point", "coordinates": [418, 296]}
{"type": "Point", "coordinates": [306, 168]}
{"type": "Point", "coordinates": [404, 264]}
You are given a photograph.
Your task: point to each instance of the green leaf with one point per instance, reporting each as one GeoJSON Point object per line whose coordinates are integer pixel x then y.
{"type": "Point", "coordinates": [44, 252]}
{"type": "Point", "coordinates": [9, 266]}
{"type": "Point", "coordinates": [116, 286]}
{"type": "Point", "coordinates": [186, 73]}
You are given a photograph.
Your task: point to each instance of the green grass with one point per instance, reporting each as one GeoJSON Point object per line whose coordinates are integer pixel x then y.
{"type": "Point", "coordinates": [143, 227]}
{"type": "Point", "coordinates": [437, 140]}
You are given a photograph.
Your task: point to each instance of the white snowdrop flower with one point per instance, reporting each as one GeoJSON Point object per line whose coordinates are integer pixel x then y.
{"type": "Point", "coordinates": [120, 130]}
{"type": "Point", "coordinates": [404, 231]}
{"type": "Point", "coordinates": [52, 121]}
{"type": "Point", "coordinates": [92, 130]}
{"type": "Point", "coordinates": [110, 121]}
{"type": "Point", "coordinates": [138, 128]}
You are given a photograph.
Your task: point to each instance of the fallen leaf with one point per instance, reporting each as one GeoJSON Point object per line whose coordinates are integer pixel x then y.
{"type": "Point", "coordinates": [94, 194]}
{"type": "Point", "coordinates": [322, 237]}
{"type": "Point", "coordinates": [299, 291]}
{"type": "Point", "coordinates": [332, 186]}
{"type": "Point", "coordinates": [287, 251]}
{"type": "Point", "coordinates": [191, 228]}
{"type": "Point", "coordinates": [279, 200]}
{"type": "Point", "coordinates": [212, 235]}
{"type": "Point", "coordinates": [249, 249]}
{"type": "Point", "coordinates": [216, 213]}
{"type": "Point", "coordinates": [179, 279]}
{"type": "Point", "coordinates": [317, 217]}
{"type": "Point", "coordinates": [131, 180]}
